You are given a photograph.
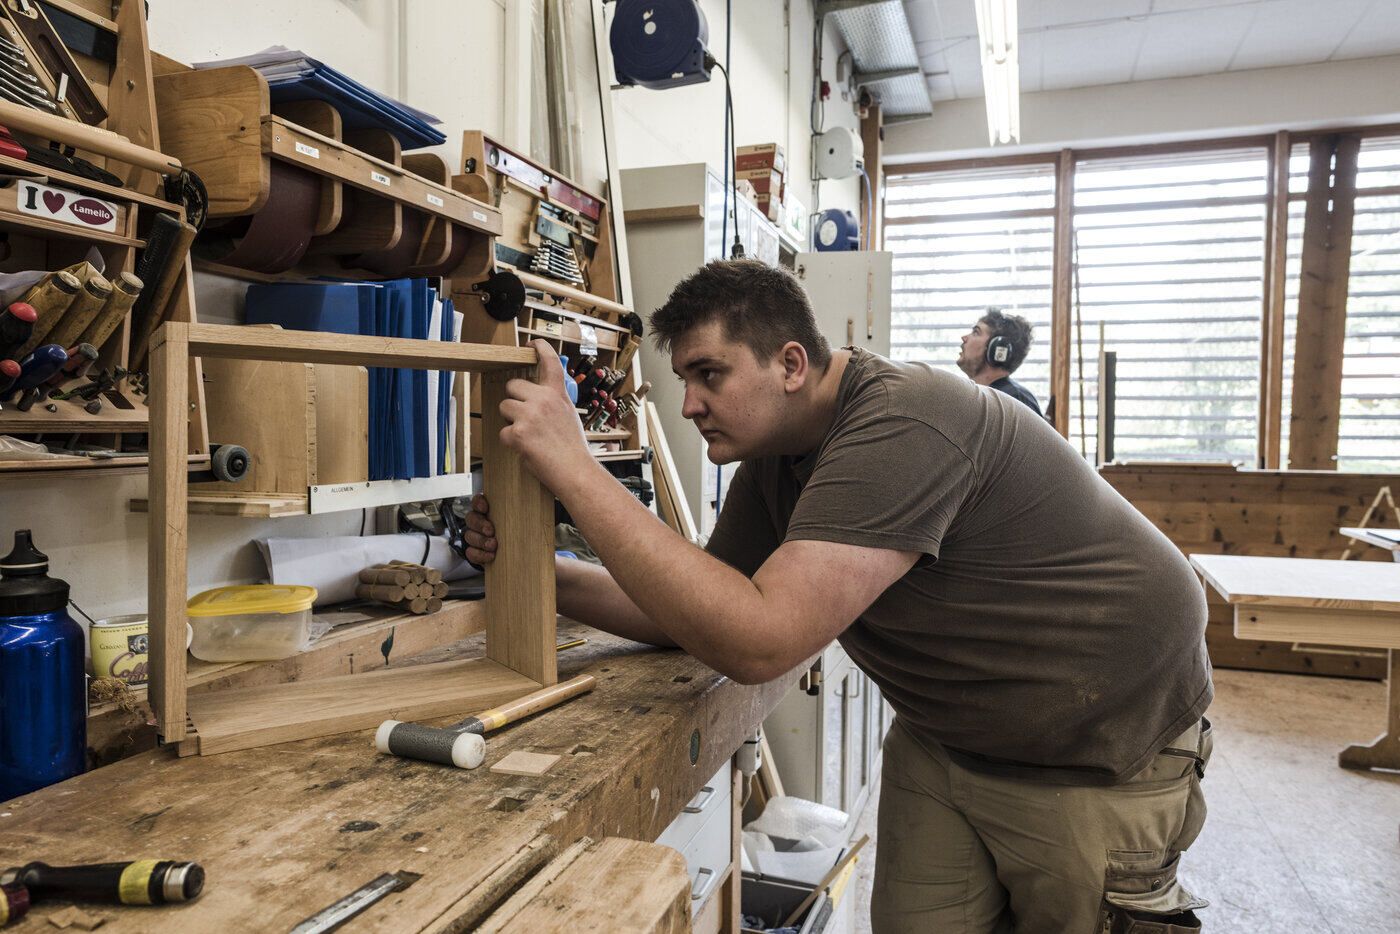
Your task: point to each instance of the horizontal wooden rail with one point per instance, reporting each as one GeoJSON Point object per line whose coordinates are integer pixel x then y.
{"type": "Point", "coordinates": [244, 343]}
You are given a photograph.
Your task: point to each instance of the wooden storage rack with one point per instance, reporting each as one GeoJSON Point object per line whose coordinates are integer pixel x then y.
{"type": "Point", "coordinates": [554, 311]}
{"type": "Point", "coordinates": [222, 124]}
{"type": "Point", "coordinates": [128, 144]}
{"type": "Point", "coordinates": [373, 199]}
{"type": "Point", "coordinates": [520, 606]}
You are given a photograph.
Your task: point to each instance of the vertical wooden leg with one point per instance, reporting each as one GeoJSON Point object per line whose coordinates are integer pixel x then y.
{"type": "Point", "coordinates": [729, 893]}
{"type": "Point", "coordinates": [166, 572]}
{"type": "Point", "coordinates": [1384, 752]}
{"type": "Point", "coordinates": [520, 597]}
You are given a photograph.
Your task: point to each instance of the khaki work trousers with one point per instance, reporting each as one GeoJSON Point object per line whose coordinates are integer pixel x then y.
{"type": "Point", "coordinates": [960, 852]}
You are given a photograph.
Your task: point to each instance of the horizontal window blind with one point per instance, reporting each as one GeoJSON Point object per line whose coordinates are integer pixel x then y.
{"type": "Point", "coordinates": [1168, 256]}
{"type": "Point", "coordinates": [965, 241]}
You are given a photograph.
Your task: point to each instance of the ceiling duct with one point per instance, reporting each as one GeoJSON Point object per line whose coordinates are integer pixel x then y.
{"type": "Point", "coordinates": [882, 50]}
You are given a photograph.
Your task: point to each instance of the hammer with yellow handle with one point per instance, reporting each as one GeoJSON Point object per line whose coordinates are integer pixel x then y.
{"type": "Point", "coordinates": [463, 744]}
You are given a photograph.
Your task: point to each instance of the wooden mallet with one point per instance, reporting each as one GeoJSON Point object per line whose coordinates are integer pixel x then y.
{"type": "Point", "coordinates": [463, 744]}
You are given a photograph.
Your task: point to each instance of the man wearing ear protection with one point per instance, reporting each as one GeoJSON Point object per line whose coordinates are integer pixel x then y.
{"type": "Point", "coordinates": [992, 351]}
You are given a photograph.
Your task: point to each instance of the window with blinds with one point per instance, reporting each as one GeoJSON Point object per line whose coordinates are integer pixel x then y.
{"type": "Point", "coordinates": [1168, 257]}
{"type": "Point", "coordinates": [1369, 426]}
{"type": "Point", "coordinates": [963, 242]}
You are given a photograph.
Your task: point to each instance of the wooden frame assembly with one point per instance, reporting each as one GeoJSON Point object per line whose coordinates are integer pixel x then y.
{"type": "Point", "coordinates": [520, 607]}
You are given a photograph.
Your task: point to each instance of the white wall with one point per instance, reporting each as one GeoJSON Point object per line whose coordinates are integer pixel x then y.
{"type": "Point", "coordinates": [442, 56]}
{"type": "Point", "coordinates": [1360, 91]}
{"type": "Point", "coordinates": [772, 74]}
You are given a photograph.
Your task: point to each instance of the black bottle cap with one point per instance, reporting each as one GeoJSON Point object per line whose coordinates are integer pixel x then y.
{"type": "Point", "coordinates": [25, 587]}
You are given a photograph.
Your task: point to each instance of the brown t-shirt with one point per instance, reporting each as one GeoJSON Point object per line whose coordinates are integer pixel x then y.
{"type": "Point", "coordinates": [1048, 632]}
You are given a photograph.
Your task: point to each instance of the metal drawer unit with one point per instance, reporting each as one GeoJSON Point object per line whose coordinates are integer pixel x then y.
{"type": "Point", "coordinates": [703, 834]}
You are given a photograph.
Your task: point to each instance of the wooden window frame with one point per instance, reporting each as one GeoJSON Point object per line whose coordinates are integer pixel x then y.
{"type": "Point", "coordinates": [1277, 148]}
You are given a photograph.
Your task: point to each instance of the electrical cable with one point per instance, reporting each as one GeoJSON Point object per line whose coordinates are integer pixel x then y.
{"type": "Point", "coordinates": [737, 249]}
{"type": "Point", "coordinates": [725, 123]}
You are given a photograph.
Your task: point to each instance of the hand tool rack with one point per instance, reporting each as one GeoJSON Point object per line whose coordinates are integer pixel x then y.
{"type": "Point", "coordinates": [520, 602]}
{"type": "Point", "coordinates": [569, 317]}
{"type": "Point", "coordinates": [127, 144]}
{"type": "Point", "coordinates": [380, 214]}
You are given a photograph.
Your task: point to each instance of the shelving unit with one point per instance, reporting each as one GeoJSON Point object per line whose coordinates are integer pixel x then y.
{"type": "Point", "coordinates": [520, 606]}
{"type": "Point", "coordinates": [368, 212]}
{"type": "Point", "coordinates": [128, 144]}
{"type": "Point", "coordinates": [571, 317]}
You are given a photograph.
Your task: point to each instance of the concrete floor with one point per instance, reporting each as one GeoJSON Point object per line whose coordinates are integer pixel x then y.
{"type": "Point", "coordinates": [1292, 843]}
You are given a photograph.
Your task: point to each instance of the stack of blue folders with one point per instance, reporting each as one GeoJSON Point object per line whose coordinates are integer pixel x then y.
{"type": "Point", "coordinates": [412, 431]}
{"type": "Point", "coordinates": [292, 75]}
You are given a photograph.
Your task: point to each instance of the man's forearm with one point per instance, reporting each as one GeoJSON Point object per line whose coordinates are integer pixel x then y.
{"type": "Point", "coordinates": [589, 594]}
{"type": "Point", "coordinates": [706, 607]}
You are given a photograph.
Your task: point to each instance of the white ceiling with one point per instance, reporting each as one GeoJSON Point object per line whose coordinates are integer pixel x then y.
{"type": "Point", "coordinates": [1076, 43]}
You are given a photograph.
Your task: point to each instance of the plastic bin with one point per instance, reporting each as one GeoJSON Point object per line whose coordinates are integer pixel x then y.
{"type": "Point", "coordinates": [251, 623]}
{"type": "Point", "coordinates": [773, 899]}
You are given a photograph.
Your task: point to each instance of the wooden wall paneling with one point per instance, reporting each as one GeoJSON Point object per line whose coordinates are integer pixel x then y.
{"type": "Point", "coordinates": [1219, 510]}
{"type": "Point", "coordinates": [1275, 276]}
{"type": "Point", "coordinates": [1062, 290]}
{"type": "Point", "coordinates": [1322, 301]}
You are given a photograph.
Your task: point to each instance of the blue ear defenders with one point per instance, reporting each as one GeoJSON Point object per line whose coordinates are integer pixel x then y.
{"type": "Point", "coordinates": [998, 351]}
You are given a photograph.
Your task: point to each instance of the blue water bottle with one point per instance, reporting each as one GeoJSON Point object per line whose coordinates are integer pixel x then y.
{"type": "Point", "coordinates": [43, 692]}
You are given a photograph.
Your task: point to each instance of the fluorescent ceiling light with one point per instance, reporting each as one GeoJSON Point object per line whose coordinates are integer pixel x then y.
{"type": "Point", "coordinates": [1001, 77]}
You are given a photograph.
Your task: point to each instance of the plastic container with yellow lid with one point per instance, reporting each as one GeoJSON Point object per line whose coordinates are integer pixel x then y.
{"type": "Point", "coordinates": [251, 623]}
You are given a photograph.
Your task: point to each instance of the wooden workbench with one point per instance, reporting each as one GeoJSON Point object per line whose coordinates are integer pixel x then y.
{"type": "Point", "coordinates": [1307, 600]}
{"type": "Point", "coordinates": [285, 830]}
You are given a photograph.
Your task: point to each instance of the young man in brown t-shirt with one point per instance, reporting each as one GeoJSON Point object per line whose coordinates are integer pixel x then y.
{"type": "Point", "coordinates": [1040, 641]}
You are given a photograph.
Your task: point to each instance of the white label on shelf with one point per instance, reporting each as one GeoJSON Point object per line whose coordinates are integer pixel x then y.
{"type": "Point", "coordinates": [434, 199]}
{"type": "Point", "coordinates": [306, 150]}
{"type": "Point", "coordinates": [379, 177]}
{"type": "Point", "coordinates": [479, 216]}
{"type": "Point", "coordinates": [68, 207]}
{"type": "Point", "coordinates": [588, 339]}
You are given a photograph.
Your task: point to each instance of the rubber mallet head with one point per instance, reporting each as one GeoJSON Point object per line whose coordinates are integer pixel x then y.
{"type": "Point", "coordinates": [431, 744]}
{"type": "Point", "coordinates": [462, 744]}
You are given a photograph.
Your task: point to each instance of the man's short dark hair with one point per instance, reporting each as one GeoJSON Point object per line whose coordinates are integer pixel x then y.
{"type": "Point", "coordinates": [1015, 329]}
{"type": "Point", "coordinates": [759, 305]}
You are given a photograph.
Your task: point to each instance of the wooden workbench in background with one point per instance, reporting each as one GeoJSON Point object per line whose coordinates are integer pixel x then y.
{"type": "Point", "coordinates": [1208, 509]}
{"type": "Point", "coordinates": [285, 830]}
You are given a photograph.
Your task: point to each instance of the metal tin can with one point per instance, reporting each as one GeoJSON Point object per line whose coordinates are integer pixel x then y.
{"type": "Point", "coordinates": [119, 648]}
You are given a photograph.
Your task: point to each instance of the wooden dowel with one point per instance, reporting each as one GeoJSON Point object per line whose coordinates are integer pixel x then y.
{"type": "Point", "coordinates": [393, 577]}
{"type": "Point", "coordinates": [380, 592]}
{"type": "Point", "coordinates": [82, 136]}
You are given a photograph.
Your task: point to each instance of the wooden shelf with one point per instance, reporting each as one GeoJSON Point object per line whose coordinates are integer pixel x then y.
{"type": "Point", "coordinates": [88, 186]}
{"type": "Point", "coordinates": [290, 143]}
{"type": "Point", "coordinates": [611, 434]}
{"type": "Point", "coordinates": [244, 343]}
{"type": "Point", "coordinates": [572, 335]}
{"type": "Point", "coordinates": [70, 417]}
{"type": "Point", "coordinates": [61, 467]}
{"type": "Point", "coordinates": [606, 456]}
{"type": "Point", "coordinates": [242, 718]}
{"type": "Point", "coordinates": [244, 505]}
{"type": "Point", "coordinates": [27, 223]}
